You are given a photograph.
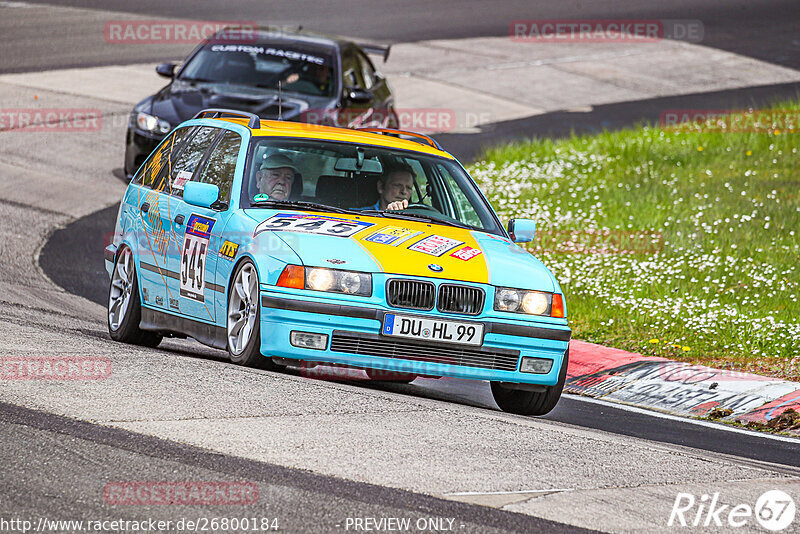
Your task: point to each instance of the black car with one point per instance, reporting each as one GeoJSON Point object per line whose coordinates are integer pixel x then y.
{"type": "Point", "coordinates": [293, 76]}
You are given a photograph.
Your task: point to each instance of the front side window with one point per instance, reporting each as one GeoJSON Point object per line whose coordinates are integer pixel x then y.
{"type": "Point", "coordinates": [364, 179]}
{"type": "Point", "coordinates": [221, 165]}
{"type": "Point", "coordinates": [150, 174]}
{"type": "Point", "coordinates": [190, 158]}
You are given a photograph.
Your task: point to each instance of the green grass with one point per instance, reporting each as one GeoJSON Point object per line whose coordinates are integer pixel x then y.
{"type": "Point", "coordinates": [716, 282]}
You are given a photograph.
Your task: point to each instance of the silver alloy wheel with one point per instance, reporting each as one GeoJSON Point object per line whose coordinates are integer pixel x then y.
{"type": "Point", "coordinates": [121, 287]}
{"type": "Point", "coordinates": [242, 308]}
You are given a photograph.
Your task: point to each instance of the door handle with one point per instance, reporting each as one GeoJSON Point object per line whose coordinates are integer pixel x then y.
{"type": "Point", "coordinates": [145, 207]}
{"type": "Point", "coordinates": [179, 219]}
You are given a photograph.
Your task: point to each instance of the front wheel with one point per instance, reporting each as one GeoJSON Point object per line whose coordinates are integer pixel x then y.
{"type": "Point", "coordinates": [124, 306]}
{"type": "Point", "coordinates": [244, 320]}
{"type": "Point", "coordinates": [523, 402]}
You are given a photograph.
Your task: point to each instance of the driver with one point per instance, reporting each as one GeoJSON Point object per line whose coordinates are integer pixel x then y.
{"type": "Point", "coordinates": [394, 188]}
{"type": "Point", "coordinates": [275, 176]}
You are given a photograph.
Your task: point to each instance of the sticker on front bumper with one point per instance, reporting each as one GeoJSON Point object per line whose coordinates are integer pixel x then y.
{"type": "Point", "coordinates": [428, 329]}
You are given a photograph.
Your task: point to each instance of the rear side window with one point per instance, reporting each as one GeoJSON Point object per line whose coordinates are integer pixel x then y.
{"type": "Point", "coordinates": [190, 158]}
{"type": "Point", "coordinates": [221, 165]}
{"type": "Point", "coordinates": [367, 71]}
{"type": "Point", "coordinates": [163, 157]}
{"type": "Point", "coordinates": [351, 71]}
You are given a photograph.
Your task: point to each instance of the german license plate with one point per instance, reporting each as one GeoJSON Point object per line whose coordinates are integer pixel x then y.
{"type": "Point", "coordinates": [428, 329]}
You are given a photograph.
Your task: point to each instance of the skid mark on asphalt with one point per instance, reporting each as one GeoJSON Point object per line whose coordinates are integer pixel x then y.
{"type": "Point", "coordinates": [499, 499]}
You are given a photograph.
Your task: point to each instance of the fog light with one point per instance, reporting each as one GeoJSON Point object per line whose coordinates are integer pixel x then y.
{"type": "Point", "coordinates": [539, 366]}
{"type": "Point", "coordinates": [306, 340]}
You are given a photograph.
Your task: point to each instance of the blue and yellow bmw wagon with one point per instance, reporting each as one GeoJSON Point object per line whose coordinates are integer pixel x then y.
{"type": "Point", "coordinates": [286, 243]}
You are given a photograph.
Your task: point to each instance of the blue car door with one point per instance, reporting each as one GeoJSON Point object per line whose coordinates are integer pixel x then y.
{"type": "Point", "coordinates": [196, 231]}
{"type": "Point", "coordinates": [153, 228]}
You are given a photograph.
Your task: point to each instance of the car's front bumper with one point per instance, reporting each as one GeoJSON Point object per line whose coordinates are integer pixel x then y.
{"type": "Point", "coordinates": [354, 338]}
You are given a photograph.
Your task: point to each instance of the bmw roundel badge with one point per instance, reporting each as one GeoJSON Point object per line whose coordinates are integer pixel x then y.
{"type": "Point", "coordinates": [435, 268]}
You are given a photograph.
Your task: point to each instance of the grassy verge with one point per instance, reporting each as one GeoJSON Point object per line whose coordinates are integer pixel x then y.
{"type": "Point", "coordinates": [682, 243]}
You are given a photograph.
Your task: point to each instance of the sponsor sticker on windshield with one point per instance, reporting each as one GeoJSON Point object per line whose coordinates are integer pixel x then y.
{"type": "Point", "coordinates": [392, 235]}
{"type": "Point", "coordinates": [293, 55]}
{"type": "Point", "coordinates": [435, 245]}
{"type": "Point", "coordinates": [312, 224]}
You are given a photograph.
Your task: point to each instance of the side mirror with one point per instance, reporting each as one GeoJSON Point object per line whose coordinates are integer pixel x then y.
{"type": "Point", "coordinates": [358, 96]}
{"type": "Point", "coordinates": [522, 230]}
{"type": "Point", "coordinates": [199, 194]}
{"type": "Point", "coordinates": [167, 70]}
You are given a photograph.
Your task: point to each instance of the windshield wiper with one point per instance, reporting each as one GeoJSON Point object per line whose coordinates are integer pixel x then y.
{"type": "Point", "coordinates": [418, 217]}
{"type": "Point", "coordinates": [196, 80]}
{"type": "Point", "coordinates": [300, 204]}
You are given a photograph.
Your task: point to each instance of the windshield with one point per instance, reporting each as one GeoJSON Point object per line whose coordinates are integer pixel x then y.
{"type": "Point", "coordinates": [364, 179]}
{"type": "Point", "coordinates": [263, 65]}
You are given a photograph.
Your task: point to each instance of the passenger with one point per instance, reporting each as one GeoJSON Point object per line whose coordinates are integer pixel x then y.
{"type": "Point", "coordinates": [394, 188]}
{"type": "Point", "coordinates": [275, 177]}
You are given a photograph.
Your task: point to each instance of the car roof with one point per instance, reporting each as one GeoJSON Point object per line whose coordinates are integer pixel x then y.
{"type": "Point", "coordinates": [271, 128]}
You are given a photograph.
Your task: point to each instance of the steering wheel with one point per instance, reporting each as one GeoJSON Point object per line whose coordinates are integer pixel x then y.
{"type": "Point", "coordinates": [421, 206]}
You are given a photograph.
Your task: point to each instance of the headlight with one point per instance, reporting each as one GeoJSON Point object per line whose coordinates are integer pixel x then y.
{"type": "Point", "coordinates": [320, 279]}
{"type": "Point", "coordinates": [331, 280]}
{"type": "Point", "coordinates": [522, 301]}
{"type": "Point", "coordinates": [506, 299]}
{"type": "Point", "coordinates": [535, 303]}
{"type": "Point", "coordinates": [336, 281]}
{"type": "Point", "coordinates": [150, 123]}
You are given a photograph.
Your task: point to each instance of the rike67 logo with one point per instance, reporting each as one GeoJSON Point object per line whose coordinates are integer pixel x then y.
{"type": "Point", "coordinates": [774, 510]}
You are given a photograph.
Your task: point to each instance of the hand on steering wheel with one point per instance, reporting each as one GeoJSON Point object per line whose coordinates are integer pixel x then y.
{"type": "Point", "coordinates": [398, 205]}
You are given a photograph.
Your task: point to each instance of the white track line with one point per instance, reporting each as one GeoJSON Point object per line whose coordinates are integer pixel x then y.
{"type": "Point", "coordinates": [699, 422]}
{"type": "Point", "coordinates": [467, 493]}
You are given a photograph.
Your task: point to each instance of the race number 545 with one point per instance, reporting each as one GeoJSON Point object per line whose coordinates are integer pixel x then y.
{"type": "Point", "coordinates": [193, 263]}
{"type": "Point", "coordinates": [193, 257]}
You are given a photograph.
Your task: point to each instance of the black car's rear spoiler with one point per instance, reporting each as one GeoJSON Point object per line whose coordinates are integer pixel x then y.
{"type": "Point", "coordinates": [253, 121]}
{"type": "Point", "coordinates": [378, 50]}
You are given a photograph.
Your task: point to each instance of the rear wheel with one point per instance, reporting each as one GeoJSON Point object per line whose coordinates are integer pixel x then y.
{"type": "Point", "coordinates": [523, 402]}
{"type": "Point", "coordinates": [244, 320]}
{"type": "Point", "coordinates": [124, 306]}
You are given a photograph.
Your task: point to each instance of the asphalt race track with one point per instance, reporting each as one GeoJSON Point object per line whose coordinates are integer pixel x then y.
{"type": "Point", "coordinates": [74, 244]}
{"type": "Point", "coordinates": [323, 452]}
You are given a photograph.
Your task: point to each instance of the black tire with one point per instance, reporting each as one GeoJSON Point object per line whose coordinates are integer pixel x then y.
{"type": "Point", "coordinates": [523, 402]}
{"type": "Point", "coordinates": [128, 330]}
{"type": "Point", "coordinates": [251, 355]}
{"type": "Point", "coordinates": [381, 375]}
